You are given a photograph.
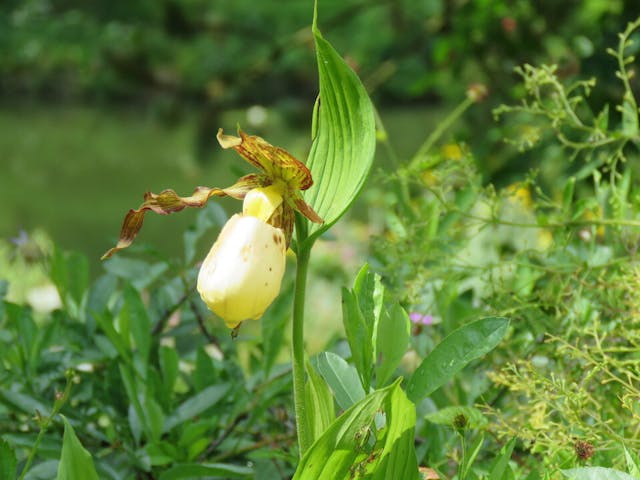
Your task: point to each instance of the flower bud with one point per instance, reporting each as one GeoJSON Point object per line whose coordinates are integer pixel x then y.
{"type": "Point", "coordinates": [243, 271]}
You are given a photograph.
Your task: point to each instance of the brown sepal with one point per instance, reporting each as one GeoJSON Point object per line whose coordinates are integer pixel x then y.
{"type": "Point", "coordinates": [305, 209]}
{"type": "Point", "coordinates": [276, 162]}
{"type": "Point", "coordinates": [168, 201]}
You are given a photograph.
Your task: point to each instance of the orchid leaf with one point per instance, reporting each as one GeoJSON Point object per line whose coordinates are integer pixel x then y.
{"type": "Point", "coordinates": [356, 443]}
{"type": "Point", "coordinates": [344, 143]}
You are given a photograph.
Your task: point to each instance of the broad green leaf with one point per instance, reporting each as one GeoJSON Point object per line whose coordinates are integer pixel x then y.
{"type": "Point", "coordinates": [500, 465]}
{"type": "Point", "coordinates": [273, 325]}
{"type": "Point", "coordinates": [353, 443]}
{"type": "Point", "coordinates": [154, 417]}
{"type": "Point", "coordinates": [49, 447]}
{"type": "Point", "coordinates": [21, 317]}
{"type": "Point", "coordinates": [8, 463]}
{"type": "Point", "coordinates": [138, 323]}
{"type": "Point", "coordinates": [359, 337]}
{"type": "Point", "coordinates": [370, 292]}
{"type": "Point", "coordinates": [23, 403]}
{"type": "Point", "coordinates": [98, 298]}
{"type": "Point", "coordinates": [465, 344]}
{"type": "Point", "coordinates": [70, 275]}
{"type": "Point", "coordinates": [206, 470]}
{"type": "Point", "coordinates": [446, 416]}
{"type": "Point", "coordinates": [320, 411]}
{"type": "Point", "coordinates": [141, 274]}
{"type": "Point", "coordinates": [162, 453]}
{"type": "Point", "coordinates": [398, 457]}
{"type": "Point", "coordinates": [106, 324]}
{"type": "Point", "coordinates": [197, 404]}
{"type": "Point", "coordinates": [341, 377]}
{"type": "Point", "coordinates": [596, 473]}
{"type": "Point", "coordinates": [75, 462]}
{"type": "Point", "coordinates": [633, 463]}
{"type": "Point", "coordinates": [343, 147]}
{"type": "Point", "coordinates": [169, 363]}
{"type": "Point", "coordinates": [394, 331]}
{"type": "Point", "coordinates": [211, 215]}
{"type": "Point", "coordinates": [44, 470]}
{"type": "Point", "coordinates": [204, 370]}
{"type": "Point", "coordinates": [137, 417]}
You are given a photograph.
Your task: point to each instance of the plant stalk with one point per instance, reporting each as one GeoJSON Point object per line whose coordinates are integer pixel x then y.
{"type": "Point", "coordinates": [46, 423]}
{"type": "Point", "coordinates": [299, 398]}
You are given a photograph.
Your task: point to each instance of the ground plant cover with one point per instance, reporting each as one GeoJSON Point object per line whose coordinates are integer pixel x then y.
{"type": "Point", "coordinates": [463, 309]}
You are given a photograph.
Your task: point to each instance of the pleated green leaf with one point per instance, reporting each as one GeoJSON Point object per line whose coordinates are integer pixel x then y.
{"type": "Point", "coordinates": [363, 443]}
{"type": "Point", "coordinates": [321, 411]}
{"type": "Point", "coordinates": [344, 137]}
{"type": "Point", "coordinates": [206, 470]}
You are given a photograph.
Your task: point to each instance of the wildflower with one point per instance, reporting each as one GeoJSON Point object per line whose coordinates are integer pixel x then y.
{"type": "Point", "coordinates": [419, 321]}
{"type": "Point", "coordinates": [418, 318]}
{"type": "Point", "coordinates": [241, 275]}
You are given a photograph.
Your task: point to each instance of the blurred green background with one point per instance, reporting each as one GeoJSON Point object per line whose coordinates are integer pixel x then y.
{"type": "Point", "coordinates": [102, 100]}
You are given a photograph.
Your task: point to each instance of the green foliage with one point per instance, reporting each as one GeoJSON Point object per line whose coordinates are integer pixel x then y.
{"type": "Point", "coordinates": [154, 390]}
{"type": "Point", "coordinates": [538, 279]}
{"type": "Point", "coordinates": [596, 473]}
{"type": "Point", "coordinates": [343, 137]}
{"type": "Point", "coordinates": [363, 443]}
{"type": "Point", "coordinates": [555, 252]}
{"type": "Point", "coordinates": [75, 461]}
{"type": "Point", "coordinates": [465, 344]}
{"type": "Point", "coordinates": [8, 464]}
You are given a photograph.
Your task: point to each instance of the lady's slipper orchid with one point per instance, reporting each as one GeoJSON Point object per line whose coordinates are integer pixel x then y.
{"type": "Point", "coordinates": [241, 275]}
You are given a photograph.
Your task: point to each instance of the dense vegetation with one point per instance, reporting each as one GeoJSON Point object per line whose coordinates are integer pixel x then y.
{"type": "Point", "coordinates": [476, 315]}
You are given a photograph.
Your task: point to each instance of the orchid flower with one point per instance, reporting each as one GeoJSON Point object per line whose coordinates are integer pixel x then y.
{"type": "Point", "coordinates": [242, 273]}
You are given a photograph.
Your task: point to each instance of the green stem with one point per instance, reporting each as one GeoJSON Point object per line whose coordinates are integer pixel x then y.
{"type": "Point", "coordinates": [46, 422]}
{"type": "Point", "coordinates": [462, 474]}
{"type": "Point", "coordinates": [439, 131]}
{"type": "Point", "coordinates": [299, 399]}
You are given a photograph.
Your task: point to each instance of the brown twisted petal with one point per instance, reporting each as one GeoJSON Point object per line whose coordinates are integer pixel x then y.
{"type": "Point", "coordinates": [168, 201]}
{"type": "Point", "coordinates": [276, 162]}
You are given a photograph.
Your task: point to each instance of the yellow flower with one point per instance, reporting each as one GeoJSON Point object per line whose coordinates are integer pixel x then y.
{"type": "Point", "coordinates": [241, 275]}
{"type": "Point", "coordinates": [519, 194]}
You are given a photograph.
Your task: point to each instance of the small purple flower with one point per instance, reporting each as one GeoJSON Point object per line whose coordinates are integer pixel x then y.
{"type": "Point", "coordinates": [418, 318]}
{"type": "Point", "coordinates": [21, 240]}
